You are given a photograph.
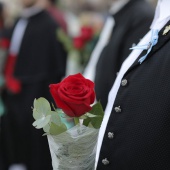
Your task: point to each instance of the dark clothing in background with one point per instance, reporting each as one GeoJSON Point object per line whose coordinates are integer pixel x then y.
{"type": "Point", "coordinates": [40, 62]}
{"type": "Point", "coordinates": [58, 16]}
{"type": "Point", "coordinates": [131, 24]}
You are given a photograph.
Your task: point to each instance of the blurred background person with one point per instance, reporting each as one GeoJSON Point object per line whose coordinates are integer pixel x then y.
{"type": "Point", "coordinates": [1, 17]}
{"type": "Point", "coordinates": [55, 10]}
{"type": "Point", "coordinates": [128, 21]}
{"type": "Point", "coordinates": [56, 13]}
{"type": "Point", "coordinates": [35, 59]}
{"type": "Point", "coordinates": [2, 57]}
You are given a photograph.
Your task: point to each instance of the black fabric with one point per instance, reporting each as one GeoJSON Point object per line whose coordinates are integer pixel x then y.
{"type": "Point", "coordinates": [142, 129]}
{"type": "Point", "coordinates": [46, 56]}
{"type": "Point", "coordinates": [131, 24]}
{"type": "Point", "coordinates": [41, 61]}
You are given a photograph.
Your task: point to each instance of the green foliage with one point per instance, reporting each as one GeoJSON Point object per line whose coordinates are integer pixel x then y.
{"type": "Point", "coordinates": [56, 122]}
{"type": "Point", "coordinates": [98, 111]}
{"type": "Point", "coordinates": [84, 53]}
{"type": "Point", "coordinates": [41, 109]}
{"type": "Point", "coordinates": [47, 119]}
{"type": "Point", "coordinates": [57, 129]}
{"type": "Point", "coordinates": [65, 40]}
{"type": "Point", "coordinates": [95, 116]}
{"type": "Point", "coordinates": [76, 120]}
{"type": "Point", "coordinates": [42, 122]}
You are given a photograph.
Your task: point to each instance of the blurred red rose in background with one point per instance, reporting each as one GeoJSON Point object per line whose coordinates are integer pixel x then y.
{"type": "Point", "coordinates": [78, 42]}
{"type": "Point", "coordinates": [86, 33]}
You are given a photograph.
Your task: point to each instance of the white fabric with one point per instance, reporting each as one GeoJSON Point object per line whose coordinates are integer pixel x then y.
{"type": "Point", "coordinates": [20, 28]}
{"type": "Point", "coordinates": [162, 14]}
{"type": "Point", "coordinates": [159, 22]}
{"type": "Point", "coordinates": [31, 11]}
{"type": "Point", "coordinates": [18, 36]}
{"type": "Point", "coordinates": [17, 167]}
{"type": "Point", "coordinates": [90, 69]}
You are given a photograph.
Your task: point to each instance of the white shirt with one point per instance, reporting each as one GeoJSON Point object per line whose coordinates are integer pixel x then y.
{"type": "Point", "coordinates": [90, 69]}
{"type": "Point", "coordinates": [162, 16]}
{"type": "Point", "coordinates": [20, 28]}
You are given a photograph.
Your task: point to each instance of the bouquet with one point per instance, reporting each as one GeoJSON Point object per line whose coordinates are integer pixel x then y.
{"type": "Point", "coordinates": [72, 130]}
{"type": "Point", "coordinates": [79, 47]}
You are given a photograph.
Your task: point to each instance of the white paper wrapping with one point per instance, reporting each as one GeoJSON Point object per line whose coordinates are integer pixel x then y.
{"type": "Point", "coordinates": [74, 149]}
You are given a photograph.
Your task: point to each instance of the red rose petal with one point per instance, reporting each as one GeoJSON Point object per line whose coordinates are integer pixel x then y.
{"type": "Point", "coordinates": [74, 95]}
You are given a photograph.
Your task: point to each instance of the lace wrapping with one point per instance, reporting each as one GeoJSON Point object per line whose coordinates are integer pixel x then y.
{"type": "Point", "coordinates": [74, 149]}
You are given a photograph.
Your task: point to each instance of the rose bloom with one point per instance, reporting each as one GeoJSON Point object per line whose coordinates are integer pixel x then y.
{"type": "Point", "coordinates": [86, 33]}
{"type": "Point", "coordinates": [74, 95]}
{"type": "Point", "coordinates": [4, 43]}
{"type": "Point", "coordinates": [78, 42]}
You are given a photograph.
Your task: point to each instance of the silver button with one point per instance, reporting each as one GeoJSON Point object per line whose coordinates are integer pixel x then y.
{"type": "Point", "coordinates": [110, 135]}
{"type": "Point", "coordinates": [124, 82]}
{"type": "Point", "coordinates": [105, 161]}
{"type": "Point", "coordinates": [118, 109]}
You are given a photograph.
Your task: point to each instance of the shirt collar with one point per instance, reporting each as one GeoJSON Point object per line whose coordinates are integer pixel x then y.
{"type": "Point", "coordinates": [117, 6]}
{"type": "Point", "coordinates": [162, 12]}
{"type": "Point", "coordinates": [31, 11]}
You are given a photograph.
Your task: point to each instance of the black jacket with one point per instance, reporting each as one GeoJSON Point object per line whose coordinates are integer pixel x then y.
{"type": "Point", "coordinates": [41, 61]}
{"type": "Point", "coordinates": [131, 24]}
{"type": "Point", "coordinates": [40, 51]}
{"type": "Point", "coordinates": [142, 128]}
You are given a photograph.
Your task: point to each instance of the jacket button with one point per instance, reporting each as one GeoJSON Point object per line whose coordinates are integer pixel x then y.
{"type": "Point", "coordinates": [105, 161]}
{"type": "Point", "coordinates": [118, 109]}
{"type": "Point", "coordinates": [124, 82]}
{"type": "Point", "coordinates": [110, 135]}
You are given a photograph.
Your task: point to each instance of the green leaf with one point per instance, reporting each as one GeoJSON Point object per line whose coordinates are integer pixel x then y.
{"type": "Point", "coordinates": [96, 122]}
{"type": "Point", "coordinates": [76, 120]}
{"type": "Point", "coordinates": [41, 109]}
{"type": "Point", "coordinates": [55, 118]}
{"type": "Point", "coordinates": [46, 128]}
{"type": "Point", "coordinates": [97, 110]}
{"type": "Point", "coordinates": [53, 106]}
{"type": "Point", "coordinates": [86, 121]}
{"type": "Point", "coordinates": [40, 123]}
{"type": "Point", "coordinates": [65, 40]}
{"type": "Point", "coordinates": [83, 117]}
{"type": "Point", "coordinates": [90, 125]}
{"type": "Point", "coordinates": [45, 134]}
{"type": "Point", "coordinates": [56, 130]}
{"type": "Point", "coordinates": [91, 115]}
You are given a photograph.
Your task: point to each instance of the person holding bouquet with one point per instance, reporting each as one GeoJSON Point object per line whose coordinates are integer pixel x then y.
{"type": "Point", "coordinates": [135, 133]}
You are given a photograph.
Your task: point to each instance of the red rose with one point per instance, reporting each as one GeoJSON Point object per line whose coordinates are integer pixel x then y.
{"type": "Point", "coordinates": [74, 95]}
{"type": "Point", "coordinates": [78, 42]}
{"type": "Point", "coordinates": [86, 33]}
{"type": "Point", "coordinates": [4, 43]}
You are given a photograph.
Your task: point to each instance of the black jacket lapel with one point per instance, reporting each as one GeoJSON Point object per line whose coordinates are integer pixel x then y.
{"type": "Point", "coordinates": [163, 39]}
